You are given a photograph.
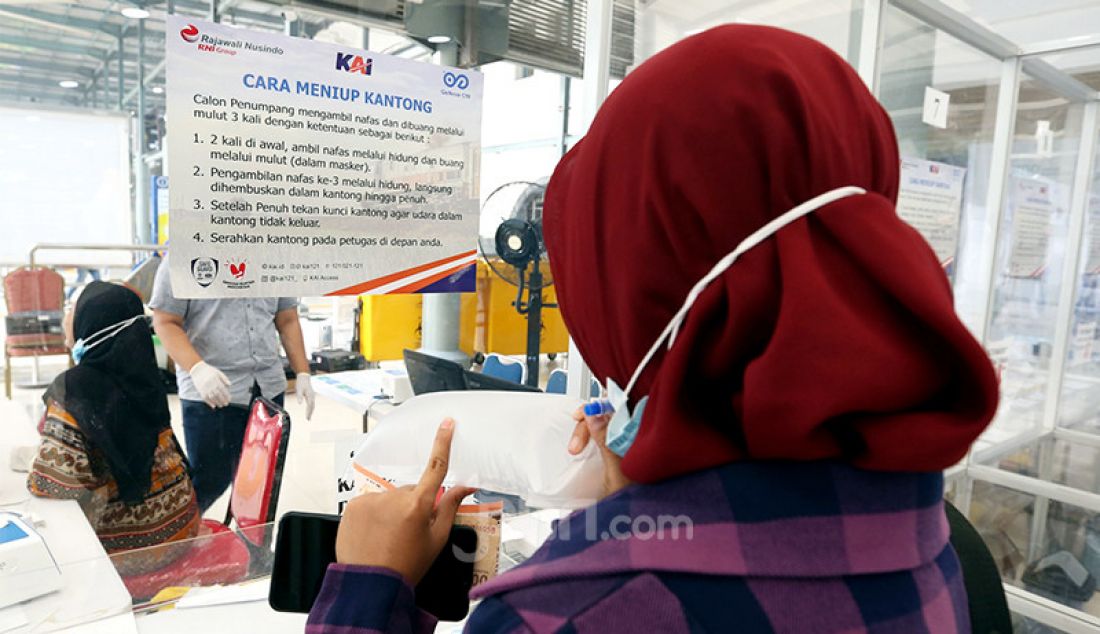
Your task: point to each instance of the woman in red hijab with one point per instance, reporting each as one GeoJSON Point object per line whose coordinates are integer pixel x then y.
{"type": "Point", "coordinates": [725, 247]}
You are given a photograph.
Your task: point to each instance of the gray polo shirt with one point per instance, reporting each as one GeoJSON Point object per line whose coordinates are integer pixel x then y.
{"type": "Point", "coordinates": [236, 336]}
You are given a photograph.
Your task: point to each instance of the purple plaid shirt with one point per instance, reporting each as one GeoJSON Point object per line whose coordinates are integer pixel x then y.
{"type": "Point", "coordinates": [765, 547]}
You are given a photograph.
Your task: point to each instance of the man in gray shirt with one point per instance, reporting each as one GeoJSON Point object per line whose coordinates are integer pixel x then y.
{"type": "Point", "coordinates": [225, 349]}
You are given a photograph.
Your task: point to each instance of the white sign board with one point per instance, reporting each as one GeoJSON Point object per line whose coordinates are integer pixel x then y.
{"type": "Point", "coordinates": [934, 112]}
{"type": "Point", "coordinates": [1084, 343]}
{"type": "Point", "coordinates": [1033, 204]}
{"type": "Point", "coordinates": [308, 168]}
{"type": "Point", "coordinates": [1092, 264]}
{"type": "Point", "coordinates": [930, 199]}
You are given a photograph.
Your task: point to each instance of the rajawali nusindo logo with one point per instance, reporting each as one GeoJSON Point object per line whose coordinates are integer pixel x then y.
{"type": "Point", "coordinates": [190, 34]}
{"type": "Point", "coordinates": [204, 270]}
{"type": "Point", "coordinates": [225, 46]}
{"type": "Point", "coordinates": [239, 275]}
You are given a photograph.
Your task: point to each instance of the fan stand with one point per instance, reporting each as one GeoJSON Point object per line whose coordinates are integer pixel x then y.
{"type": "Point", "coordinates": [534, 325]}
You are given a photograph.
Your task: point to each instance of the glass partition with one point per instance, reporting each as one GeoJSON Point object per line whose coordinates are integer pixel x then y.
{"type": "Point", "coordinates": [946, 164]}
{"type": "Point", "coordinates": [160, 575]}
{"type": "Point", "coordinates": [1031, 254]}
{"type": "Point", "coordinates": [836, 23]}
{"type": "Point", "coordinates": [1079, 407]}
{"type": "Point", "coordinates": [1049, 549]}
{"type": "Point", "coordinates": [62, 595]}
{"type": "Point", "coordinates": [1030, 22]}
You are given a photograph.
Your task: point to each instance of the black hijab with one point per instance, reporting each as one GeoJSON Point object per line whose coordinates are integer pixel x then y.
{"type": "Point", "coordinates": [115, 393]}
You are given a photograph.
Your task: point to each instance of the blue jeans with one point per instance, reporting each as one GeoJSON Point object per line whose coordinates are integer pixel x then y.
{"type": "Point", "coordinates": [214, 438]}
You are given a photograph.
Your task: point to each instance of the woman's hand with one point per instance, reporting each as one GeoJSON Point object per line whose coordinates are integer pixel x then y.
{"type": "Point", "coordinates": [594, 428]}
{"type": "Point", "coordinates": [404, 529]}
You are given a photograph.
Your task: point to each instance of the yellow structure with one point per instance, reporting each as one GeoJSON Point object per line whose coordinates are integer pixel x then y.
{"type": "Point", "coordinates": [391, 323]}
{"type": "Point", "coordinates": [489, 321]}
{"type": "Point", "coordinates": [503, 330]}
{"type": "Point", "coordinates": [388, 324]}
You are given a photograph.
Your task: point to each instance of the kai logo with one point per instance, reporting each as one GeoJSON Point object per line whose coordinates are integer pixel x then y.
{"type": "Point", "coordinates": [353, 63]}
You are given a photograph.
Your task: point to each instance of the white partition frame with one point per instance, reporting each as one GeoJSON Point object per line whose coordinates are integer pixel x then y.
{"type": "Point", "coordinates": [1015, 60]}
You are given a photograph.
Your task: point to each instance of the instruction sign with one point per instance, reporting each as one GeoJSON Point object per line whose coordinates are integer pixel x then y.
{"type": "Point", "coordinates": [1092, 263]}
{"type": "Point", "coordinates": [1032, 207]}
{"type": "Point", "coordinates": [307, 168]}
{"type": "Point", "coordinates": [930, 199]}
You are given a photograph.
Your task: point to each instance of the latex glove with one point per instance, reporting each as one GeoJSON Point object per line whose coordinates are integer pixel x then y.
{"type": "Point", "coordinates": [211, 383]}
{"type": "Point", "coordinates": [303, 388]}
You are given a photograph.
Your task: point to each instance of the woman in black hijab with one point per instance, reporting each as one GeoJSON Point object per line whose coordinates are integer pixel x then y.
{"type": "Point", "coordinates": [107, 440]}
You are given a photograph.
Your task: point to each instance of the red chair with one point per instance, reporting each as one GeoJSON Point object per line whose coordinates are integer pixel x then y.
{"type": "Point", "coordinates": [29, 290]}
{"type": "Point", "coordinates": [221, 555]}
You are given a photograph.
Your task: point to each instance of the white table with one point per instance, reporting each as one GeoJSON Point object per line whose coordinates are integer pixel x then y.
{"type": "Point", "coordinates": [93, 599]}
{"type": "Point", "coordinates": [249, 616]}
{"type": "Point", "coordinates": [359, 390]}
{"type": "Point", "coordinates": [91, 588]}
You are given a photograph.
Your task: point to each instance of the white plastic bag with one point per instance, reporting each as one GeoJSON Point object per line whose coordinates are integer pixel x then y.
{"type": "Point", "coordinates": [508, 442]}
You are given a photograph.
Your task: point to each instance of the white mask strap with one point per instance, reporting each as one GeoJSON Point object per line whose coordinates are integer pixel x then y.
{"type": "Point", "coordinates": [758, 236]}
{"type": "Point", "coordinates": [111, 331]}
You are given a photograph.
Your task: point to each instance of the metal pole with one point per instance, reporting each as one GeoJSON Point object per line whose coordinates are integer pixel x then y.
{"type": "Point", "coordinates": [566, 94]}
{"type": "Point", "coordinates": [213, 13]}
{"type": "Point", "coordinates": [870, 39]}
{"type": "Point", "coordinates": [141, 170]}
{"type": "Point", "coordinates": [441, 312]}
{"type": "Point", "coordinates": [170, 7]}
{"type": "Point", "coordinates": [1000, 163]}
{"type": "Point", "coordinates": [75, 246]}
{"type": "Point", "coordinates": [470, 47]}
{"type": "Point", "coordinates": [534, 323]}
{"type": "Point", "coordinates": [597, 73]}
{"type": "Point", "coordinates": [121, 69]}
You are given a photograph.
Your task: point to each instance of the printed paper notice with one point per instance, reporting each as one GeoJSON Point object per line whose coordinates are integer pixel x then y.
{"type": "Point", "coordinates": [930, 199]}
{"type": "Point", "coordinates": [1092, 264]}
{"type": "Point", "coordinates": [307, 168]}
{"type": "Point", "coordinates": [1032, 206]}
{"type": "Point", "coordinates": [936, 103]}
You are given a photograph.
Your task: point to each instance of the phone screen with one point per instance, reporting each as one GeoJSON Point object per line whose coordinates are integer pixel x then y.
{"type": "Point", "coordinates": [306, 545]}
{"type": "Point", "coordinates": [304, 548]}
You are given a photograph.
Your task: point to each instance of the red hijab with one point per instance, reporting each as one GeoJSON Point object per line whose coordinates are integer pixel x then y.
{"type": "Point", "coordinates": [836, 338]}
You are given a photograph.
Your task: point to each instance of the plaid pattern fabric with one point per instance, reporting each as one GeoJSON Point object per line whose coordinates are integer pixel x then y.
{"type": "Point", "coordinates": [772, 547]}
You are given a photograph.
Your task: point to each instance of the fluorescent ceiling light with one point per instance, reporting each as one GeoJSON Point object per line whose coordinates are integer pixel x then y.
{"type": "Point", "coordinates": [68, 83]}
{"type": "Point", "coordinates": [136, 13]}
{"type": "Point", "coordinates": [157, 90]}
{"type": "Point", "coordinates": [439, 39]}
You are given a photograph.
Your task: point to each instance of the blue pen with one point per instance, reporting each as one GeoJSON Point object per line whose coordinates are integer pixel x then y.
{"type": "Point", "coordinates": [598, 408]}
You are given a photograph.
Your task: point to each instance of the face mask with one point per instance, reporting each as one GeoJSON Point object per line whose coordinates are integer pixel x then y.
{"type": "Point", "coordinates": [82, 345]}
{"type": "Point", "coordinates": [622, 429]}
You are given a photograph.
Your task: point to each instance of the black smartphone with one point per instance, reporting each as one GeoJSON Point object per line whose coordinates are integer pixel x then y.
{"type": "Point", "coordinates": [306, 545]}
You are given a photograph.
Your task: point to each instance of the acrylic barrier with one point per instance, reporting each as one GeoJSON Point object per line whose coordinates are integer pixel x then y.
{"type": "Point", "coordinates": [214, 569]}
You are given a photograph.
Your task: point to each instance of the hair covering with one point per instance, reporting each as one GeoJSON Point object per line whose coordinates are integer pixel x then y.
{"type": "Point", "coordinates": [836, 338]}
{"type": "Point", "coordinates": [116, 394]}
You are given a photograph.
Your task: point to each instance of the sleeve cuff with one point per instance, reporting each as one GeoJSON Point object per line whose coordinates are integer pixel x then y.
{"type": "Point", "coordinates": [366, 599]}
